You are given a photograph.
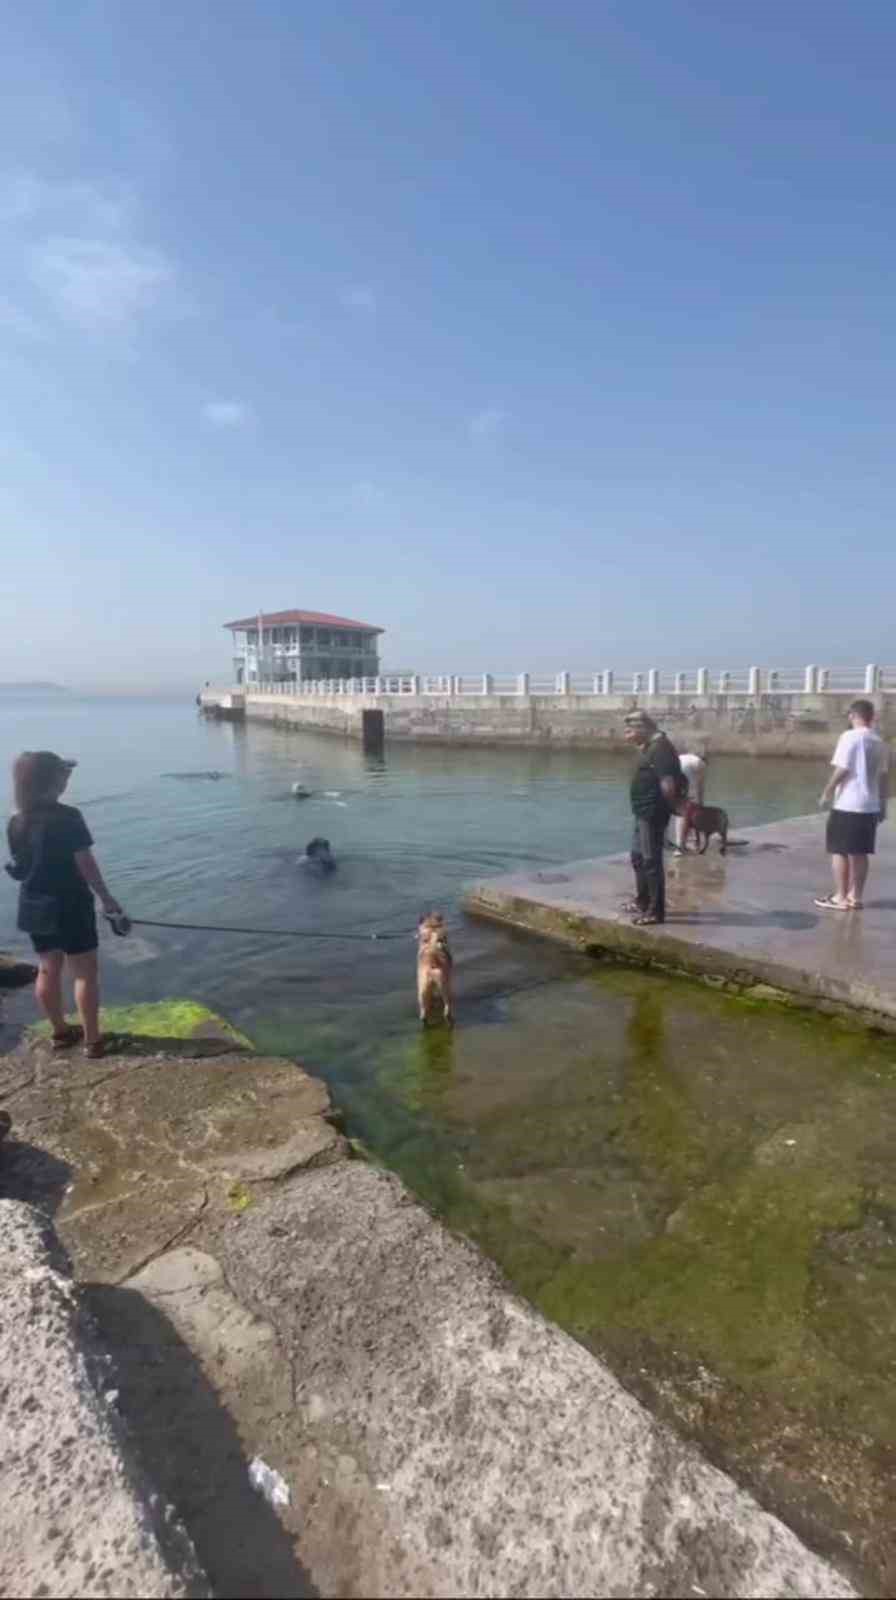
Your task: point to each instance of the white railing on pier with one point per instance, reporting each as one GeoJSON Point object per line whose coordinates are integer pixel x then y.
{"type": "Point", "coordinates": [695, 683]}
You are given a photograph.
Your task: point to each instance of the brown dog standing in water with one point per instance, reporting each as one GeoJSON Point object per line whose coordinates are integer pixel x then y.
{"type": "Point", "coordinates": [706, 820]}
{"type": "Point", "coordinates": [434, 968]}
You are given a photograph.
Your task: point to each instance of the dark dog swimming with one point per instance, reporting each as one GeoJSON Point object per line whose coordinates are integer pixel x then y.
{"type": "Point", "coordinates": [318, 856]}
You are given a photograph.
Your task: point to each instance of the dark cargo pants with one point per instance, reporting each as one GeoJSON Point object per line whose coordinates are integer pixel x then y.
{"type": "Point", "coordinates": [647, 860]}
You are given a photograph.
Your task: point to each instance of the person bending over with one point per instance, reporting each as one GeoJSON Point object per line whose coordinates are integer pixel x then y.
{"type": "Point", "coordinates": [694, 768]}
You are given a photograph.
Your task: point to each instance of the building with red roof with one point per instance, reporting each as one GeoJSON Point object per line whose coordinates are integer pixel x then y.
{"type": "Point", "coordinates": [292, 646]}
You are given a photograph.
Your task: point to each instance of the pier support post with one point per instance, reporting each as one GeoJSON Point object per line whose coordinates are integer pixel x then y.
{"type": "Point", "coordinates": [753, 681]}
{"type": "Point", "coordinates": [872, 679]}
{"type": "Point", "coordinates": [680, 682]}
{"type": "Point", "coordinates": [653, 681]}
{"type": "Point", "coordinates": [703, 680]}
{"type": "Point", "coordinates": [608, 681]}
{"type": "Point", "coordinates": [522, 683]}
{"type": "Point", "coordinates": [488, 683]}
{"type": "Point", "coordinates": [810, 680]}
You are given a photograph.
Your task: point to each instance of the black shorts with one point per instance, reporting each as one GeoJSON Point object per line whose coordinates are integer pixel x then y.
{"type": "Point", "coordinates": [77, 931]}
{"type": "Point", "coordinates": [851, 833]}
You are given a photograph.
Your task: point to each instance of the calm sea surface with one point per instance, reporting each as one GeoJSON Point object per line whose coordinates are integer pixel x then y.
{"type": "Point", "coordinates": [409, 830]}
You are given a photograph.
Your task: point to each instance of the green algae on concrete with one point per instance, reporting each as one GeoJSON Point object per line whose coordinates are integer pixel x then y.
{"type": "Point", "coordinates": [700, 1189]}
{"type": "Point", "coordinates": [163, 1019]}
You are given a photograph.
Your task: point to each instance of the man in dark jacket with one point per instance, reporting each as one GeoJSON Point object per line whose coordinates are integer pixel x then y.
{"type": "Point", "coordinates": [656, 792]}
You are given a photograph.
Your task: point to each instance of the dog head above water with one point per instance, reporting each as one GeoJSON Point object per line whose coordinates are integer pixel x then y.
{"type": "Point", "coordinates": [432, 933]}
{"type": "Point", "coordinates": [318, 852]}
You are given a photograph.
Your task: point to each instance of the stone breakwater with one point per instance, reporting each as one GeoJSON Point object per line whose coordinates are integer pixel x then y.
{"type": "Point", "coordinates": [263, 1298]}
{"type": "Point", "coordinates": [796, 724]}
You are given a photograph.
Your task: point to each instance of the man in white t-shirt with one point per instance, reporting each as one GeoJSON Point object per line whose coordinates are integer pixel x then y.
{"type": "Point", "coordinates": [694, 769]}
{"type": "Point", "coordinates": [857, 793]}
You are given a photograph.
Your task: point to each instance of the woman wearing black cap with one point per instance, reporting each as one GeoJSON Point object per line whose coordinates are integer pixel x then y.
{"type": "Point", "coordinates": [53, 862]}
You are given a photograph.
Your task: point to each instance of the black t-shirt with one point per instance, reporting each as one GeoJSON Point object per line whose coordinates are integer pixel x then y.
{"type": "Point", "coordinates": [659, 760]}
{"type": "Point", "coordinates": [43, 851]}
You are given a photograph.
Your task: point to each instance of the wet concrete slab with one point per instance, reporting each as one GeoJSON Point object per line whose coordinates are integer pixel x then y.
{"type": "Point", "coordinates": [746, 918]}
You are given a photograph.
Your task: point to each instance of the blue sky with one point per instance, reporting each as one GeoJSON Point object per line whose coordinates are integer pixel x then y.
{"type": "Point", "coordinates": [540, 336]}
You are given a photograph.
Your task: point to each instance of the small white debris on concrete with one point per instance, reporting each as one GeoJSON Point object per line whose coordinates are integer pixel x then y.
{"type": "Point", "coordinates": [268, 1482]}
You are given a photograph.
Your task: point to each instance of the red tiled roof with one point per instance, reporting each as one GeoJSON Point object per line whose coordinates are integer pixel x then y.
{"type": "Point", "coordinates": [277, 619]}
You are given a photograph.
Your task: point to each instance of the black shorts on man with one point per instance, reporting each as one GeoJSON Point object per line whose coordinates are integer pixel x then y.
{"type": "Point", "coordinates": [851, 833]}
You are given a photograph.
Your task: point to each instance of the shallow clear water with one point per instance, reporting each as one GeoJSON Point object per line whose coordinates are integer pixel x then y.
{"type": "Point", "coordinates": [698, 1187]}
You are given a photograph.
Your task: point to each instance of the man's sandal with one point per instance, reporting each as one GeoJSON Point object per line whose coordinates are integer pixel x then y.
{"type": "Point", "coordinates": [829, 902]}
{"type": "Point", "coordinates": [645, 921]}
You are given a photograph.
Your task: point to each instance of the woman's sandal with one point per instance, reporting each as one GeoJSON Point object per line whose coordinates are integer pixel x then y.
{"type": "Point", "coordinates": [828, 902]}
{"type": "Point", "coordinates": [96, 1051]}
{"type": "Point", "coordinates": [70, 1035]}
{"type": "Point", "coordinates": [644, 921]}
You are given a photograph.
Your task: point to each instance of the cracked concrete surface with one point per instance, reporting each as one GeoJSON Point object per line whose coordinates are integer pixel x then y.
{"type": "Point", "coordinates": [262, 1294]}
{"type": "Point", "coordinates": [77, 1517]}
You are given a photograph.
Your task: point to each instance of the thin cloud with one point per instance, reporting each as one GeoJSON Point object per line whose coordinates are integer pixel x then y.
{"type": "Point", "coordinates": [226, 413]}
{"type": "Point", "coordinates": [74, 242]}
{"type": "Point", "coordinates": [100, 283]}
{"type": "Point", "coordinates": [359, 298]}
{"type": "Point", "coordinates": [69, 205]}
{"type": "Point", "coordinates": [487, 424]}
{"type": "Point", "coordinates": [15, 320]}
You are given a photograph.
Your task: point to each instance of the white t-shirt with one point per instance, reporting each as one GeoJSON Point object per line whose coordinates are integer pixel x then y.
{"type": "Point", "coordinates": [694, 769]}
{"type": "Point", "coordinates": [862, 753]}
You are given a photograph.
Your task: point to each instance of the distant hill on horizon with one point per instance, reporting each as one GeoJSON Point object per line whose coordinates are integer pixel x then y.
{"type": "Point", "coordinates": [33, 688]}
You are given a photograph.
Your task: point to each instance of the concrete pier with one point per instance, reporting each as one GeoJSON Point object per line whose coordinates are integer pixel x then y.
{"type": "Point", "coordinates": [801, 723]}
{"type": "Point", "coordinates": [746, 919]}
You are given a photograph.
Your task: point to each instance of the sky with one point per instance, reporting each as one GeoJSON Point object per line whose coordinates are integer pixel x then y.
{"type": "Point", "coordinates": [540, 335]}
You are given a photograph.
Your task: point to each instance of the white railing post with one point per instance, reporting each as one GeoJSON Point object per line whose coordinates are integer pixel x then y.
{"type": "Point", "coordinates": [487, 683]}
{"type": "Point", "coordinates": [772, 681]}
{"type": "Point", "coordinates": [653, 681]}
{"type": "Point", "coordinates": [724, 682]}
{"type": "Point", "coordinates": [608, 681]}
{"type": "Point", "coordinates": [872, 679]}
{"type": "Point", "coordinates": [824, 679]}
{"type": "Point", "coordinates": [703, 680]}
{"type": "Point", "coordinates": [563, 683]}
{"type": "Point", "coordinates": [636, 683]}
{"type": "Point", "coordinates": [598, 683]}
{"type": "Point", "coordinates": [377, 685]}
{"type": "Point", "coordinates": [456, 685]}
{"type": "Point", "coordinates": [810, 680]}
{"type": "Point", "coordinates": [522, 683]}
{"type": "Point", "coordinates": [415, 683]}
{"type": "Point", "coordinates": [680, 682]}
{"type": "Point", "coordinates": [753, 681]}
